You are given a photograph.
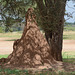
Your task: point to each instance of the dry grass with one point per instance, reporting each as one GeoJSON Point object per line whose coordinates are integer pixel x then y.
{"type": "Point", "coordinates": [11, 35]}
{"type": "Point", "coordinates": [69, 35]}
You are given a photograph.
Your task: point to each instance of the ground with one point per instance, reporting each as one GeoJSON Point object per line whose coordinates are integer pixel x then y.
{"type": "Point", "coordinates": [6, 45]}
{"type": "Point", "coordinates": [68, 45]}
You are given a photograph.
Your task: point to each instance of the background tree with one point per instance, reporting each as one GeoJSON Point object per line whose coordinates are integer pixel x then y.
{"type": "Point", "coordinates": [13, 11]}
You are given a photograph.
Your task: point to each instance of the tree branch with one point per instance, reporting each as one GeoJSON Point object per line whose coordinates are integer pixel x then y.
{"type": "Point", "coordinates": [40, 4]}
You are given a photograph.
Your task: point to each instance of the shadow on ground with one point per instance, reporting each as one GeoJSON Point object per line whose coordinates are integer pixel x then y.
{"type": "Point", "coordinates": [69, 60]}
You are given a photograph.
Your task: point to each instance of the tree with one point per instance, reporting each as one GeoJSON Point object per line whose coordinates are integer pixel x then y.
{"type": "Point", "coordinates": [13, 11]}
{"type": "Point", "coordinates": [52, 17]}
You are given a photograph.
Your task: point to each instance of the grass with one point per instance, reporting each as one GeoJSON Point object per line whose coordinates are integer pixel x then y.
{"type": "Point", "coordinates": [69, 28]}
{"type": "Point", "coordinates": [69, 57]}
{"type": "Point", "coordinates": [69, 35]}
{"type": "Point", "coordinates": [11, 35]}
{"type": "Point", "coordinates": [3, 56]}
{"type": "Point", "coordinates": [26, 72]}
{"type": "Point", "coordinates": [69, 54]}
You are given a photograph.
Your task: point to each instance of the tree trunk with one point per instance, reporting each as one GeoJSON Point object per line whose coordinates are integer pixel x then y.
{"type": "Point", "coordinates": [55, 43]}
{"type": "Point", "coordinates": [52, 17]}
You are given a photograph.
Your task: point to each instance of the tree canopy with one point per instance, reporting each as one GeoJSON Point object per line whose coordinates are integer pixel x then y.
{"type": "Point", "coordinates": [13, 11]}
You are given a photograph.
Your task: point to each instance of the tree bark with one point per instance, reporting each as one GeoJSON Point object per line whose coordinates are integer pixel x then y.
{"type": "Point", "coordinates": [52, 17]}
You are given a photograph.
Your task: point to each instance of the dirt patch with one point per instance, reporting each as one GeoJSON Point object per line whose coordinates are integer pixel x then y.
{"type": "Point", "coordinates": [6, 47]}
{"type": "Point", "coordinates": [68, 45]}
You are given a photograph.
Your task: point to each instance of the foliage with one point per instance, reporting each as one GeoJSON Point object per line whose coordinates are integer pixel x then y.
{"type": "Point", "coordinates": [1, 30]}
{"type": "Point", "coordinates": [13, 11]}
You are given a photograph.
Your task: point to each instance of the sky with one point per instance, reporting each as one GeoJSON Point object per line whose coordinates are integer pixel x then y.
{"type": "Point", "coordinates": [0, 17]}
{"type": "Point", "coordinates": [70, 8]}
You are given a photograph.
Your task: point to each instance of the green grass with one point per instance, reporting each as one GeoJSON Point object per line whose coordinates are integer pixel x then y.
{"type": "Point", "coordinates": [69, 28]}
{"type": "Point", "coordinates": [69, 57]}
{"type": "Point", "coordinates": [13, 72]}
{"type": "Point", "coordinates": [26, 72]}
{"type": "Point", "coordinates": [3, 56]}
{"type": "Point", "coordinates": [69, 54]}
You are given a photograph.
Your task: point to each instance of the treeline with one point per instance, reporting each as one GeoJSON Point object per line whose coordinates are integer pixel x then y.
{"type": "Point", "coordinates": [67, 23]}
{"type": "Point", "coordinates": [13, 28]}
{"type": "Point", "coordinates": [69, 26]}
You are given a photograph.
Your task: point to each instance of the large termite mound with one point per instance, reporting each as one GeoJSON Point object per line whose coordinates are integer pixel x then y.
{"type": "Point", "coordinates": [32, 50]}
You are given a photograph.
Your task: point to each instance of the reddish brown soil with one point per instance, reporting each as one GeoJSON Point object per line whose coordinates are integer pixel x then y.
{"type": "Point", "coordinates": [6, 47]}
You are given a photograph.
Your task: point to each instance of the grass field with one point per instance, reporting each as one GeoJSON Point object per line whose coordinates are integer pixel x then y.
{"type": "Point", "coordinates": [69, 35]}
{"type": "Point", "coordinates": [11, 35]}
{"type": "Point", "coordinates": [26, 72]}
{"type": "Point", "coordinates": [66, 35]}
{"type": "Point", "coordinates": [69, 28]}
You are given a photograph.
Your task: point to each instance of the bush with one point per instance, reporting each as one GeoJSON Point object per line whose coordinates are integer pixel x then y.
{"type": "Point", "coordinates": [1, 30]}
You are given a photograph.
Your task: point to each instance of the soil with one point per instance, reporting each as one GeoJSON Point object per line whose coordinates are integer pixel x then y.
{"type": "Point", "coordinates": [6, 47]}
{"type": "Point", "coordinates": [69, 45]}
